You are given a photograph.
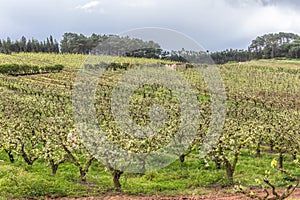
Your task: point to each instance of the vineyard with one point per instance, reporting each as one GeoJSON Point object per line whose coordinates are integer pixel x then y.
{"type": "Point", "coordinates": [42, 154]}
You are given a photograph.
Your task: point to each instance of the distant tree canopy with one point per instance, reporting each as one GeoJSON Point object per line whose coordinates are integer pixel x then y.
{"type": "Point", "coordinates": [49, 45]}
{"type": "Point", "coordinates": [230, 55]}
{"type": "Point", "coordinates": [268, 46]}
{"type": "Point", "coordinates": [126, 46]}
{"type": "Point", "coordinates": [80, 44]}
{"type": "Point", "coordinates": [273, 45]}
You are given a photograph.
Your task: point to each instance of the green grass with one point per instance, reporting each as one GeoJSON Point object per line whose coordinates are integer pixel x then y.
{"type": "Point", "coordinates": [19, 180]}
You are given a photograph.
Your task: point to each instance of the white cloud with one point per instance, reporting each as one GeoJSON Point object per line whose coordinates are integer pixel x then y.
{"type": "Point", "coordinates": [90, 7]}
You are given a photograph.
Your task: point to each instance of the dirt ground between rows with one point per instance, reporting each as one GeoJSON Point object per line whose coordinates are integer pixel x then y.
{"type": "Point", "coordinates": [213, 196]}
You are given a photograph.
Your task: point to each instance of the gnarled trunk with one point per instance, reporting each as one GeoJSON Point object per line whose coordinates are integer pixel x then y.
{"type": "Point", "coordinates": [280, 161]}
{"type": "Point", "coordinates": [229, 171]}
{"type": "Point", "coordinates": [54, 169]}
{"type": "Point", "coordinates": [181, 158]}
{"type": "Point", "coordinates": [258, 151]}
{"type": "Point", "coordinates": [84, 171]}
{"type": "Point", "coordinates": [116, 174]}
{"type": "Point", "coordinates": [218, 163]}
{"type": "Point", "coordinates": [10, 156]}
{"type": "Point", "coordinates": [54, 165]}
{"type": "Point", "coordinates": [295, 155]}
{"type": "Point", "coordinates": [231, 167]}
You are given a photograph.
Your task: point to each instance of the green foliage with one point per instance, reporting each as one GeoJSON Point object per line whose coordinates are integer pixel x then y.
{"type": "Point", "coordinates": [16, 69]}
{"type": "Point", "coordinates": [270, 189]}
{"type": "Point", "coordinates": [108, 45]}
{"type": "Point", "coordinates": [8, 46]}
{"type": "Point", "coordinates": [275, 45]}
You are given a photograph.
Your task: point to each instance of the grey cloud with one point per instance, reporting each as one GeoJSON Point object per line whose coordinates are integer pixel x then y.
{"type": "Point", "coordinates": [216, 24]}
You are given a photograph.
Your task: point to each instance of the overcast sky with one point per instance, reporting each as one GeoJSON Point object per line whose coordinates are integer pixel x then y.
{"type": "Point", "coordinates": [215, 24]}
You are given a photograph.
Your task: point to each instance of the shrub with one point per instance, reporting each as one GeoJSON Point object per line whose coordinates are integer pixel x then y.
{"type": "Point", "coordinates": [16, 70]}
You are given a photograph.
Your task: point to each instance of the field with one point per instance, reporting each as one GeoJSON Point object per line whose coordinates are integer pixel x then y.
{"type": "Point", "coordinates": [43, 156]}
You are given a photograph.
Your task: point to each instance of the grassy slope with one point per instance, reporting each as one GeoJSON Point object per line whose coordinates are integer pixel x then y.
{"type": "Point", "coordinates": [290, 64]}
{"type": "Point", "coordinates": [192, 177]}
{"type": "Point", "coordinates": [70, 61]}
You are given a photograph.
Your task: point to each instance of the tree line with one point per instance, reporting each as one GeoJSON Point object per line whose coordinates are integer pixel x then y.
{"type": "Point", "coordinates": [49, 45]}
{"type": "Point", "coordinates": [80, 44]}
{"type": "Point", "coordinates": [268, 46]}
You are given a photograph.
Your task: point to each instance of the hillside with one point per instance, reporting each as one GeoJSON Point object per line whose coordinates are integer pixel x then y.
{"type": "Point", "coordinates": [43, 155]}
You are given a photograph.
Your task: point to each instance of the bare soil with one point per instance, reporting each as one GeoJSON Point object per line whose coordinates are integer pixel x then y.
{"type": "Point", "coordinates": [220, 195]}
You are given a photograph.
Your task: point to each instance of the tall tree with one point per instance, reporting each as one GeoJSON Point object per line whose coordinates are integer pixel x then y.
{"type": "Point", "coordinates": [270, 45]}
